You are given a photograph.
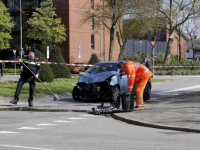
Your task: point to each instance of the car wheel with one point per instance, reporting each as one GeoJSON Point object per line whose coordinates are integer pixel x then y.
{"type": "Point", "coordinates": [76, 93]}
{"type": "Point", "coordinates": [115, 94]}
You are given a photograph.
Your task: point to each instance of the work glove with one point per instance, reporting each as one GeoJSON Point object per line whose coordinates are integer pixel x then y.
{"type": "Point", "coordinates": [128, 94]}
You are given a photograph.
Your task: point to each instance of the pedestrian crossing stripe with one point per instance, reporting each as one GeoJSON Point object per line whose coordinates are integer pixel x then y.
{"type": "Point", "coordinates": [29, 128]}
{"type": "Point", "coordinates": [7, 132]}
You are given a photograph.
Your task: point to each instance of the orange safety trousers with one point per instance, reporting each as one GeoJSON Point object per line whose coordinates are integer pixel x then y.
{"type": "Point", "coordinates": [140, 90]}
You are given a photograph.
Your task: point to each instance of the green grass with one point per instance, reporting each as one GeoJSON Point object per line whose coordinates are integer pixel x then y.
{"type": "Point", "coordinates": [58, 86]}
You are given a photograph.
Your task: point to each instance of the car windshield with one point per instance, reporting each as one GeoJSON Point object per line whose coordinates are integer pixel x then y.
{"type": "Point", "coordinates": [102, 67]}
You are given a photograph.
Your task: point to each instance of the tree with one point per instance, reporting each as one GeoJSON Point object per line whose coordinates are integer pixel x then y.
{"type": "Point", "coordinates": [6, 26]}
{"type": "Point", "coordinates": [177, 12]}
{"type": "Point", "coordinates": [109, 14]}
{"type": "Point", "coordinates": [45, 26]}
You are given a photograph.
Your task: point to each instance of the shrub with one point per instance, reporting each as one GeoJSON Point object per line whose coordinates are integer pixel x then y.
{"type": "Point", "coordinates": [93, 59]}
{"type": "Point", "coordinates": [46, 74]}
{"type": "Point", "coordinates": [11, 70]}
{"type": "Point", "coordinates": [59, 71]}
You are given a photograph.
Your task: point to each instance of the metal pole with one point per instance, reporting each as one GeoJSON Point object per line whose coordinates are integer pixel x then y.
{"type": "Point", "coordinates": [21, 27]}
{"type": "Point", "coordinates": [100, 36]}
{"type": "Point", "coordinates": [15, 62]}
{"type": "Point", "coordinates": [153, 62]}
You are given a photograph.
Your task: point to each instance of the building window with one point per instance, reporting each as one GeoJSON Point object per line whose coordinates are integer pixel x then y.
{"type": "Point", "coordinates": [92, 41]}
{"type": "Point", "coordinates": [187, 51]}
{"type": "Point", "coordinates": [92, 23]}
{"type": "Point", "coordinates": [92, 4]}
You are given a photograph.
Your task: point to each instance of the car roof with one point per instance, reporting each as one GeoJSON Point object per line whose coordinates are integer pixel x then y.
{"type": "Point", "coordinates": [114, 61]}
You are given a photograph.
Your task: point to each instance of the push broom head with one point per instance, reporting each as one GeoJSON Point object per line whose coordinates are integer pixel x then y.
{"type": "Point", "coordinates": [55, 97]}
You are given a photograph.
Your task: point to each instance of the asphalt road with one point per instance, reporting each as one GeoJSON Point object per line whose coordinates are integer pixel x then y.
{"type": "Point", "coordinates": [80, 131]}
{"type": "Point", "coordinates": [31, 130]}
{"type": "Point", "coordinates": [175, 85]}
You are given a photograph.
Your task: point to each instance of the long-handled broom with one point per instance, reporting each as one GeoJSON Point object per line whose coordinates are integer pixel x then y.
{"type": "Point", "coordinates": [55, 96]}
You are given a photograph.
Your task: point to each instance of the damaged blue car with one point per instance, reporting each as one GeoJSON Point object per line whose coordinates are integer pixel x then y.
{"type": "Point", "coordinates": [101, 81]}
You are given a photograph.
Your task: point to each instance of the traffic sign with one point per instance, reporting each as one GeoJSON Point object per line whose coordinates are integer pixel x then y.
{"type": "Point", "coordinates": [47, 52]}
{"type": "Point", "coordinates": [79, 50]}
{"type": "Point", "coordinates": [14, 51]}
{"type": "Point", "coordinates": [153, 43]}
{"type": "Point", "coordinates": [21, 52]}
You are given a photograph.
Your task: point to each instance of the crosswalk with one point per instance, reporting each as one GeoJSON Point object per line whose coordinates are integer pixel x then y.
{"type": "Point", "coordinates": [43, 125]}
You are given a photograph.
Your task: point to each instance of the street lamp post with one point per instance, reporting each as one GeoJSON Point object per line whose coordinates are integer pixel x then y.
{"type": "Point", "coordinates": [20, 28]}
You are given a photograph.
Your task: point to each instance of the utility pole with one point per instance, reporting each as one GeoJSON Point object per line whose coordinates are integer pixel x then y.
{"type": "Point", "coordinates": [100, 36]}
{"type": "Point", "coordinates": [20, 28]}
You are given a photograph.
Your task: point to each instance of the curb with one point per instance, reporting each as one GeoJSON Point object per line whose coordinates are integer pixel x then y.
{"type": "Point", "coordinates": [154, 125]}
{"type": "Point", "coordinates": [40, 109]}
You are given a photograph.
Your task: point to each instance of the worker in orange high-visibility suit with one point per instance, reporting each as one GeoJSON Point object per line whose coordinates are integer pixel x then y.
{"type": "Point", "coordinates": [136, 73]}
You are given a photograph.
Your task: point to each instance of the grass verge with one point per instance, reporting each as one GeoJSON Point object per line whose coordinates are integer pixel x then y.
{"type": "Point", "coordinates": [58, 86]}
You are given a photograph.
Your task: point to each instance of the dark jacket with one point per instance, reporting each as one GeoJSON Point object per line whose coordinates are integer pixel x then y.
{"type": "Point", "coordinates": [33, 65]}
{"type": "Point", "coordinates": [148, 64]}
{"type": "Point", "coordinates": [2, 65]}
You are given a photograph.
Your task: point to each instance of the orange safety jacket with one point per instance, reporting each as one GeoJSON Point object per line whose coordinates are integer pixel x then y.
{"type": "Point", "coordinates": [135, 71]}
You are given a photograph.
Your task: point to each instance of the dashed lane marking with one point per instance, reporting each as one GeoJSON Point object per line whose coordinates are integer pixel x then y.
{"type": "Point", "coordinates": [181, 89]}
{"type": "Point", "coordinates": [24, 147]}
{"type": "Point", "coordinates": [7, 132]}
{"type": "Point", "coordinates": [74, 118]}
{"type": "Point", "coordinates": [62, 121]}
{"type": "Point", "coordinates": [29, 128]}
{"type": "Point", "coordinates": [47, 124]}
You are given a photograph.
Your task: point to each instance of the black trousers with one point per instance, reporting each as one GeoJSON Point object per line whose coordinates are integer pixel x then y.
{"type": "Point", "coordinates": [23, 79]}
{"type": "Point", "coordinates": [147, 91]}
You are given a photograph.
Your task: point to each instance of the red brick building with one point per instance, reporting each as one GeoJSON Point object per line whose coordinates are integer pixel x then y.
{"type": "Point", "coordinates": [70, 11]}
{"type": "Point", "coordinates": [78, 33]}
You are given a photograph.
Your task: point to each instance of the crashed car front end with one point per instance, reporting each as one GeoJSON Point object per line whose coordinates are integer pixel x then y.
{"type": "Point", "coordinates": [95, 85]}
{"type": "Point", "coordinates": [93, 91]}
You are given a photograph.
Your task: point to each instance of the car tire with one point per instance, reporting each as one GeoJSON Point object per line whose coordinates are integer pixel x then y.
{"type": "Point", "coordinates": [116, 95]}
{"type": "Point", "coordinates": [76, 93]}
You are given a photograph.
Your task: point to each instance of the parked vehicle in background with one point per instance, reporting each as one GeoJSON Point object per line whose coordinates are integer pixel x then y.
{"type": "Point", "coordinates": [78, 67]}
{"type": "Point", "coordinates": [101, 81]}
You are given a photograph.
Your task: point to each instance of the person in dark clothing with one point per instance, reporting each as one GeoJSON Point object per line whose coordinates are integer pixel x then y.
{"type": "Point", "coordinates": [33, 64]}
{"type": "Point", "coordinates": [2, 66]}
{"type": "Point", "coordinates": [147, 90]}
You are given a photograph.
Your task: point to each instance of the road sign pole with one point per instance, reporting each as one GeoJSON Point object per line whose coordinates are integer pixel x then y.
{"type": "Point", "coordinates": [153, 61]}
{"type": "Point", "coordinates": [15, 62]}
{"type": "Point", "coordinates": [153, 43]}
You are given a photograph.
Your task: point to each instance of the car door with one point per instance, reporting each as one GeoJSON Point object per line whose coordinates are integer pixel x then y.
{"type": "Point", "coordinates": [122, 80]}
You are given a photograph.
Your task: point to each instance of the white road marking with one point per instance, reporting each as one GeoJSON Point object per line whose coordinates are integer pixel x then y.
{"type": "Point", "coordinates": [74, 118]}
{"type": "Point", "coordinates": [1, 101]}
{"type": "Point", "coordinates": [5, 132]}
{"type": "Point", "coordinates": [181, 89]}
{"type": "Point", "coordinates": [29, 128]}
{"type": "Point", "coordinates": [62, 121]}
{"type": "Point", "coordinates": [47, 124]}
{"type": "Point", "coordinates": [88, 115]}
{"type": "Point", "coordinates": [14, 146]}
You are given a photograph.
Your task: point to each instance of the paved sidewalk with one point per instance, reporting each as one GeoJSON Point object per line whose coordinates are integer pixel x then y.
{"type": "Point", "coordinates": [9, 77]}
{"type": "Point", "coordinates": [181, 113]}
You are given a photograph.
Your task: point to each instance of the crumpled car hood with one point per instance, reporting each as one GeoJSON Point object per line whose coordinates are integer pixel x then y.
{"type": "Point", "coordinates": [97, 77]}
